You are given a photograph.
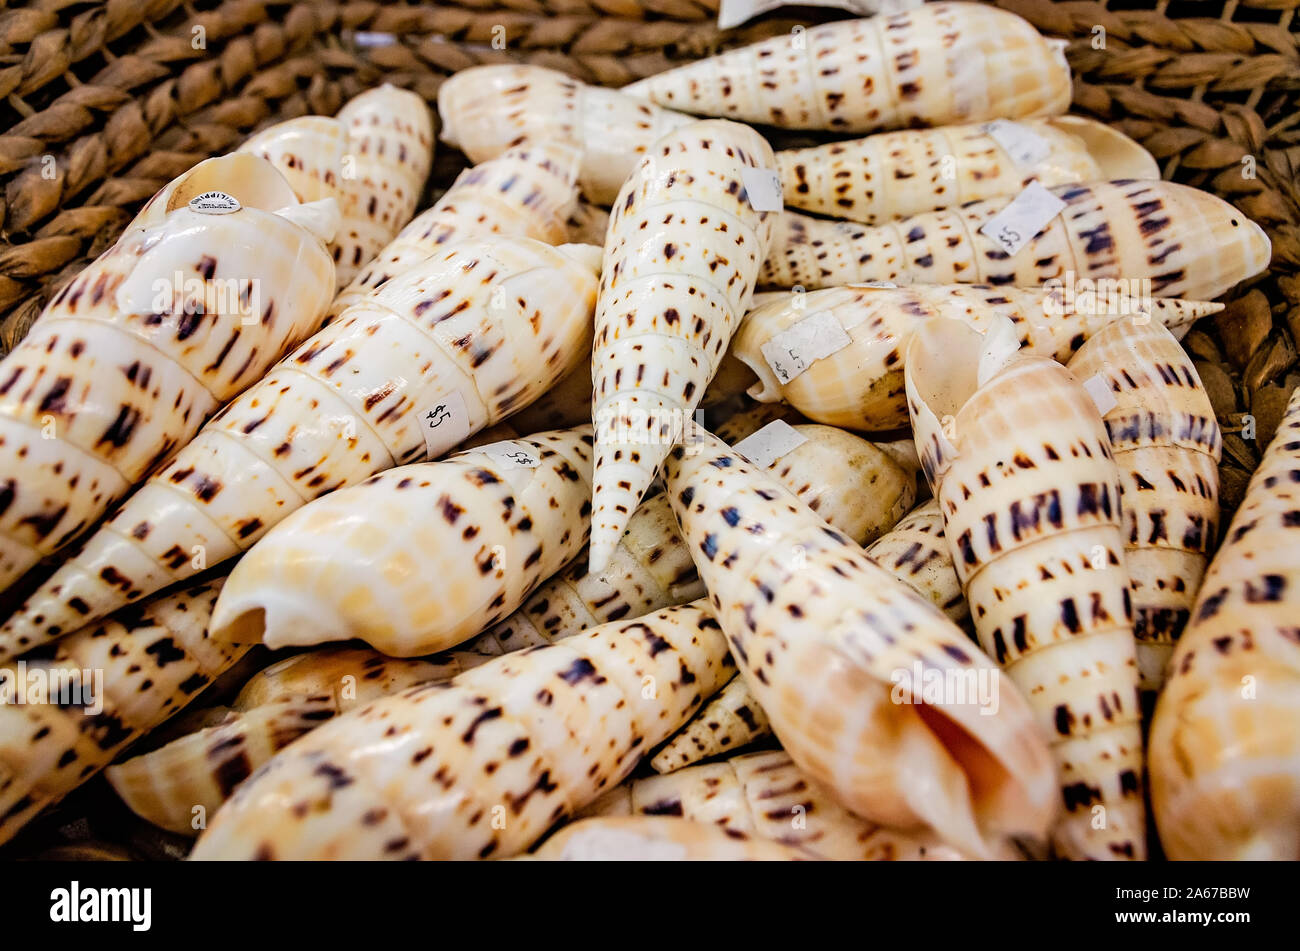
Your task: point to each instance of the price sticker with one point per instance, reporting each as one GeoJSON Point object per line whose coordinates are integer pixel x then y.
{"type": "Point", "coordinates": [445, 422]}
{"type": "Point", "coordinates": [770, 443]}
{"type": "Point", "coordinates": [797, 348]}
{"type": "Point", "coordinates": [1102, 396]}
{"type": "Point", "coordinates": [763, 186]}
{"type": "Point", "coordinates": [1023, 219]}
{"type": "Point", "coordinates": [516, 461]}
{"type": "Point", "coordinates": [1023, 144]}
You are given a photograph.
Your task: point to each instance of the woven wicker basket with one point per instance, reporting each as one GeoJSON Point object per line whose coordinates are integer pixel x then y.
{"type": "Point", "coordinates": [107, 101]}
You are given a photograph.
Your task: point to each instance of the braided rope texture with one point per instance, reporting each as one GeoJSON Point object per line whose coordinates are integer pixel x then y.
{"type": "Point", "coordinates": [103, 103]}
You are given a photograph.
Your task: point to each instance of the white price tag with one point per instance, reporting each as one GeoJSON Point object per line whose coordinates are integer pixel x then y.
{"type": "Point", "coordinates": [215, 203]}
{"type": "Point", "coordinates": [770, 443]}
{"type": "Point", "coordinates": [763, 185]}
{"type": "Point", "coordinates": [445, 422]}
{"type": "Point", "coordinates": [1102, 396]}
{"type": "Point", "coordinates": [1022, 143]}
{"type": "Point", "coordinates": [515, 460]}
{"type": "Point", "coordinates": [794, 350]}
{"type": "Point", "coordinates": [1028, 213]}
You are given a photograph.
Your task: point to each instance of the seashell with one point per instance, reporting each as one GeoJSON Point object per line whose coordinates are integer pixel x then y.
{"type": "Point", "coordinates": [277, 705]}
{"type": "Point", "coordinates": [820, 632]}
{"type": "Point", "coordinates": [127, 361]}
{"type": "Point", "coordinates": [1020, 463]}
{"type": "Point", "coordinates": [503, 526]}
{"type": "Point", "coordinates": [446, 349]}
{"type": "Point", "coordinates": [1173, 240]}
{"type": "Point", "coordinates": [528, 192]}
{"type": "Point", "coordinates": [913, 551]}
{"type": "Point", "coordinates": [854, 485]}
{"type": "Point", "coordinates": [671, 297]}
{"type": "Point", "coordinates": [533, 735]}
{"type": "Point", "coordinates": [1224, 758]}
{"type": "Point", "coordinates": [1167, 445]}
{"type": "Point", "coordinates": [488, 109]}
{"type": "Point", "coordinates": [859, 385]}
{"type": "Point", "coordinates": [767, 796]}
{"type": "Point", "coordinates": [153, 659]}
{"type": "Point", "coordinates": [896, 174]}
{"type": "Point", "coordinates": [938, 64]}
{"type": "Point", "coordinates": [373, 159]}
{"type": "Point", "coordinates": [660, 839]}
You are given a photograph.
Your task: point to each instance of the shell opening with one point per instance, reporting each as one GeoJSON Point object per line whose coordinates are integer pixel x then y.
{"type": "Point", "coordinates": [250, 178]}
{"type": "Point", "coordinates": [1118, 156]}
{"type": "Point", "coordinates": [246, 627]}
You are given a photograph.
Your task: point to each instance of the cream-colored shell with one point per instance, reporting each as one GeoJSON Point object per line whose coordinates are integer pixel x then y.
{"type": "Point", "coordinates": [897, 174]}
{"type": "Point", "coordinates": [679, 267]}
{"type": "Point", "coordinates": [373, 159]}
{"type": "Point", "coordinates": [488, 109]}
{"type": "Point", "coordinates": [827, 642]}
{"type": "Point", "coordinates": [938, 64]}
{"type": "Point", "coordinates": [766, 795]}
{"type": "Point", "coordinates": [489, 324]}
{"type": "Point", "coordinates": [1184, 242]}
{"type": "Point", "coordinates": [133, 355]}
{"type": "Point", "coordinates": [730, 720]}
{"type": "Point", "coordinates": [528, 192]}
{"type": "Point", "coordinates": [1020, 463]}
{"type": "Point", "coordinates": [419, 558]}
{"type": "Point", "coordinates": [1167, 445]}
{"type": "Point", "coordinates": [533, 735]}
{"type": "Point", "coordinates": [153, 659]}
{"type": "Point", "coordinates": [860, 386]}
{"type": "Point", "coordinates": [854, 485]}
{"type": "Point", "coordinates": [1225, 746]}
{"type": "Point", "coordinates": [660, 839]}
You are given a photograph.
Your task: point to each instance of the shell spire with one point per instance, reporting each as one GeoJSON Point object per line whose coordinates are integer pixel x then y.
{"type": "Point", "coordinates": [1224, 746]}
{"type": "Point", "coordinates": [535, 734]}
{"type": "Point", "coordinates": [938, 64]}
{"type": "Point", "coordinates": [1167, 445]}
{"type": "Point", "coordinates": [671, 297]}
{"type": "Point", "coordinates": [373, 159]}
{"type": "Point", "coordinates": [897, 174]}
{"type": "Point", "coordinates": [207, 288]}
{"type": "Point", "coordinates": [829, 643]}
{"type": "Point", "coordinates": [1172, 240]}
{"type": "Point", "coordinates": [1020, 463]}
{"type": "Point", "coordinates": [460, 342]}
{"type": "Point", "coordinates": [487, 109]}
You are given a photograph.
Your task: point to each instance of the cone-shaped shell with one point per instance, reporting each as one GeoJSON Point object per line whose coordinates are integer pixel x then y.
{"type": "Point", "coordinates": [766, 795]}
{"type": "Point", "coordinates": [372, 159]}
{"type": "Point", "coordinates": [660, 839]}
{"type": "Point", "coordinates": [938, 64]}
{"type": "Point", "coordinates": [359, 562]}
{"type": "Point", "coordinates": [730, 720]}
{"type": "Point", "coordinates": [488, 109]}
{"type": "Point", "coordinates": [857, 487]}
{"type": "Point", "coordinates": [820, 633]}
{"type": "Point", "coordinates": [1021, 466]}
{"type": "Point", "coordinates": [279, 704]}
{"type": "Point", "coordinates": [127, 361]}
{"type": "Point", "coordinates": [1167, 446]}
{"type": "Point", "coordinates": [528, 192]}
{"type": "Point", "coordinates": [897, 174]}
{"type": "Point", "coordinates": [140, 668]}
{"type": "Point", "coordinates": [474, 333]}
{"type": "Point", "coordinates": [1224, 746]}
{"type": "Point", "coordinates": [1184, 242]}
{"type": "Point", "coordinates": [860, 384]}
{"type": "Point", "coordinates": [683, 251]}
{"type": "Point", "coordinates": [533, 735]}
